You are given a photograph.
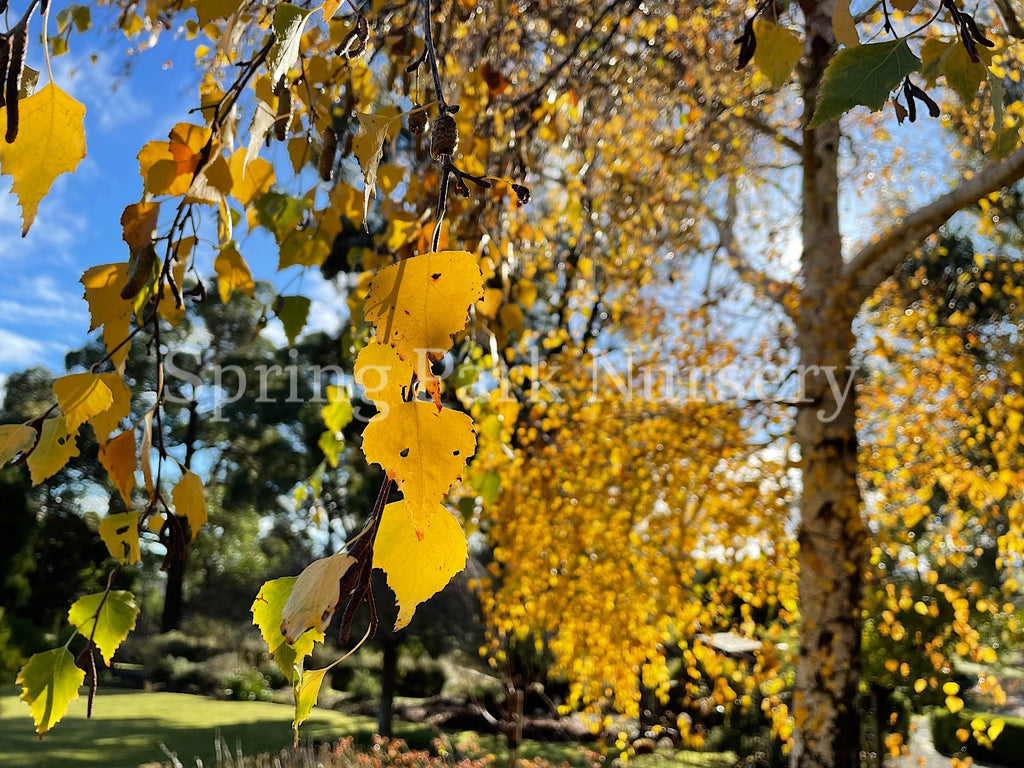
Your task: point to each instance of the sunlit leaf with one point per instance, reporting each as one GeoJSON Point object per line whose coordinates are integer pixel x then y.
{"type": "Point", "coordinates": [418, 560]}
{"type": "Point", "coordinates": [105, 422]}
{"type": "Point", "coordinates": [106, 618]}
{"type": "Point", "coordinates": [190, 501]}
{"type": "Point", "coordinates": [51, 141]}
{"type": "Point", "coordinates": [382, 374]}
{"type": "Point", "coordinates": [315, 596]}
{"type": "Point", "coordinates": [56, 445]}
{"type": "Point", "coordinates": [119, 458]}
{"type": "Point", "coordinates": [423, 449]}
{"type": "Point", "coordinates": [368, 147]}
{"type": "Point", "coordinates": [120, 532]}
{"type": "Point", "coordinates": [338, 412]}
{"type": "Point", "coordinates": [266, 615]}
{"type": "Point", "coordinates": [289, 23]}
{"type": "Point", "coordinates": [107, 309]}
{"type": "Point", "coordinates": [307, 691]}
{"type": "Point", "coordinates": [778, 50]}
{"type": "Point", "coordinates": [81, 396]}
{"type": "Point", "coordinates": [168, 167]}
{"type": "Point", "coordinates": [233, 274]}
{"type": "Point", "coordinates": [49, 682]}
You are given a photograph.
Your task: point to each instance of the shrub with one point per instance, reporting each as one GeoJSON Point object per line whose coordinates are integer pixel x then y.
{"type": "Point", "coordinates": [1005, 749]}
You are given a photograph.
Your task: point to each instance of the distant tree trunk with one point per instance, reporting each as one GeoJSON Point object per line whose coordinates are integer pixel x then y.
{"type": "Point", "coordinates": [388, 683]}
{"type": "Point", "coordinates": [174, 593]}
{"type": "Point", "coordinates": [832, 534]}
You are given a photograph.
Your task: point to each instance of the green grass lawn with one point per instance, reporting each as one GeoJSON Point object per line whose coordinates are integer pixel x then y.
{"type": "Point", "coordinates": [127, 728]}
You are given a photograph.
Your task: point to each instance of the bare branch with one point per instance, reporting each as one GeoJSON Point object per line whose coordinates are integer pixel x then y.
{"type": "Point", "coordinates": [876, 261]}
{"type": "Point", "coordinates": [759, 124]}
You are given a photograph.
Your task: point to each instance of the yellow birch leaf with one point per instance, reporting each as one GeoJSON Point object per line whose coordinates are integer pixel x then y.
{"type": "Point", "coordinates": [120, 532]}
{"type": "Point", "coordinates": [49, 682]}
{"type": "Point", "coordinates": [418, 304]}
{"type": "Point", "coordinates": [307, 691]}
{"type": "Point", "coordinates": [252, 179]}
{"type": "Point", "coordinates": [168, 167]}
{"type": "Point", "coordinates": [51, 141]}
{"type": "Point", "coordinates": [778, 51]}
{"type": "Point", "coordinates": [190, 501]}
{"type": "Point", "coordinates": [105, 617]}
{"type": "Point", "coordinates": [53, 449]}
{"type": "Point", "coordinates": [138, 223]}
{"type": "Point", "coordinates": [266, 614]}
{"type": "Point", "coordinates": [232, 273]}
{"type": "Point", "coordinates": [423, 449]}
{"type": "Point", "coordinates": [954, 704]}
{"type": "Point", "coordinates": [81, 396]}
{"type": "Point", "coordinates": [169, 309]}
{"type": "Point", "coordinates": [314, 597]}
{"type": "Point", "coordinates": [119, 458]}
{"type": "Point", "coordinates": [338, 412]}
{"type": "Point", "coordinates": [368, 147]}
{"type": "Point", "coordinates": [488, 306]}
{"type": "Point", "coordinates": [382, 374]}
{"type": "Point", "coordinates": [107, 309]}
{"type": "Point", "coordinates": [843, 25]}
{"type": "Point", "coordinates": [330, 7]}
{"type": "Point", "coordinates": [418, 561]}
{"type": "Point", "coordinates": [15, 439]}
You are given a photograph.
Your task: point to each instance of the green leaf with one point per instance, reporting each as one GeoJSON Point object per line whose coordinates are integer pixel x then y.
{"type": "Point", "coordinates": [289, 23]}
{"type": "Point", "coordinates": [293, 312]}
{"type": "Point", "coordinates": [112, 618]}
{"type": "Point", "coordinates": [778, 51]}
{"type": "Point", "coordinates": [331, 447]}
{"type": "Point", "coordinates": [307, 690]}
{"type": "Point", "coordinates": [950, 60]}
{"type": "Point", "coordinates": [49, 682]}
{"type": "Point", "coordinates": [863, 76]}
{"type": "Point", "coordinates": [279, 213]}
{"type": "Point", "coordinates": [266, 614]}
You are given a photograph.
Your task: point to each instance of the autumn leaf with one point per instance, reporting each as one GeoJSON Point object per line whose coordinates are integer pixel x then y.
{"type": "Point", "coordinates": [250, 179]}
{"type": "Point", "coordinates": [418, 560]}
{"type": "Point", "coordinates": [56, 445]}
{"type": "Point", "coordinates": [168, 167]}
{"type": "Point", "coordinates": [81, 396]}
{"type": "Point", "coordinates": [190, 501]}
{"type": "Point", "coordinates": [145, 460]}
{"type": "Point", "coordinates": [949, 59]}
{"type": "Point", "coordinates": [315, 596]}
{"type": "Point", "coordinates": [382, 374]}
{"type": "Point", "coordinates": [423, 449]}
{"type": "Point", "coordinates": [778, 51]}
{"type": "Point", "coordinates": [232, 273]}
{"type": "Point", "coordinates": [105, 422]}
{"type": "Point", "coordinates": [266, 615]}
{"type": "Point", "coordinates": [843, 25]}
{"type": "Point", "coordinates": [119, 458]}
{"type": "Point", "coordinates": [49, 682]}
{"type": "Point", "coordinates": [51, 141]}
{"type": "Point", "coordinates": [107, 309]}
{"type": "Point", "coordinates": [289, 23]}
{"type": "Point", "coordinates": [368, 147]}
{"type": "Point", "coordinates": [307, 691]}
{"type": "Point", "coordinates": [293, 312]}
{"type": "Point", "coordinates": [863, 76]}
{"type": "Point", "coordinates": [338, 412]}
{"type": "Point", "coordinates": [120, 532]}
{"type": "Point", "coordinates": [419, 304]}
{"type": "Point", "coordinates": [15, 439]}
{"type": "Point", "coordinates": [105, 617]}
{"type": "Point", "coordinates": [138, 223]}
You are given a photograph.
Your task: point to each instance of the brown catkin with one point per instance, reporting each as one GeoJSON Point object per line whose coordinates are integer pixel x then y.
{"type": "Point", "coordinates": [19, 43]}
{"type": "Point", "coordinates": [284, 109]}
{"type": "Point", "coordinates": [418, 121]}
{"type": "Point", "coordinates": [444, 136]}
{"type": "Point", "coordinates": [327, 154]}
{"type": "Point", "coordinates": [142, 271]}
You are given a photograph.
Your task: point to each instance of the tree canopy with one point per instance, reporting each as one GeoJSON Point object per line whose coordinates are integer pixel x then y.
{"type": "Point", "coordinates": [609, 268]}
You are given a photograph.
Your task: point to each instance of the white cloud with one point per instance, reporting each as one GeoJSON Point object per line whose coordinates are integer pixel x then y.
{"type": "Point", "coordinates": [17, 351]}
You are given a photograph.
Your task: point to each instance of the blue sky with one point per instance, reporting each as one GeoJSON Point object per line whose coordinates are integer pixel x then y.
{"type": "Point", "coordinates": [130, 99]}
